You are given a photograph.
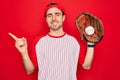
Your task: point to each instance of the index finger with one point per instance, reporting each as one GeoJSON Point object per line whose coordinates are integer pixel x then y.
{"type": "Point", "coordinates": [13, 36]}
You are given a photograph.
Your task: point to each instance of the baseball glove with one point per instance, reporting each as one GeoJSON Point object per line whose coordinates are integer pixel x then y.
{"type": "Point", "coordinates": [90, 27]}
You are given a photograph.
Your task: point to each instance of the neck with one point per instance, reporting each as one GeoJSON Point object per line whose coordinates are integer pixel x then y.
{"type": "Point", "coordinates": [59, 32]}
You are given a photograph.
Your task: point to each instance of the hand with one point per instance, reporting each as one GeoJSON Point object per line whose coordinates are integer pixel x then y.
{"type": "Point", "coordinates": [20, 43]}
{"type": "Point", "coordinates": [90, 27]}
{"type": "Point", "coordinates": [89, 43]}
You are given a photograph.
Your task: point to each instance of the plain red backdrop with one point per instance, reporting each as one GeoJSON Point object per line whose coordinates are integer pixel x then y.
{"type": "Point", "coordinates": [26, 18]}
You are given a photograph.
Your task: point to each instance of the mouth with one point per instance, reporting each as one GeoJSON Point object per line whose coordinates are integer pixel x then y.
{"type": "Point", "coordinates": [54, 23]}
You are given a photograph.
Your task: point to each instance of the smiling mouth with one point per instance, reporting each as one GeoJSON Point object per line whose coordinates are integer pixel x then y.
{"type": "Point", "coordinates": [54, 23]}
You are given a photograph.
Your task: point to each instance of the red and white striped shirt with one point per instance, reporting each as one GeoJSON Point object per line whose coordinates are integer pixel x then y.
{"type": "Point", "coordinates": [57, 57]}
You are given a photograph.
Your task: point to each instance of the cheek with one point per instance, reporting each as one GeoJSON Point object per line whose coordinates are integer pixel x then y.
{"type": "Point", "coordinates": [59, 19]}
{"type": "Point", "coordinates": [48, 20]}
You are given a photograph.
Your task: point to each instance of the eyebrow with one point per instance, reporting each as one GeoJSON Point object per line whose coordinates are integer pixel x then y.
{"type": "Point", "coordinates": [51, 13]}
{"type": "Point", "coordinates": [57, 13]}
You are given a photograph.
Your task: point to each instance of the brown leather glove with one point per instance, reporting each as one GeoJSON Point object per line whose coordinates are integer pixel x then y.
{"type": "Point", "coordinates": [90, 27]}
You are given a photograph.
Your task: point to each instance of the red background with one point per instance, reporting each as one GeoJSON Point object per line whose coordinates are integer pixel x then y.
{"type": "Point", "coordinates": [25, 18]}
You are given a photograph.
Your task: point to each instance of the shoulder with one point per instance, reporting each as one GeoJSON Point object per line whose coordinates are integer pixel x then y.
{"type": "Point", "coordinates": [71, 37]}
{"type": "Point", "coordinates": [37, 39]}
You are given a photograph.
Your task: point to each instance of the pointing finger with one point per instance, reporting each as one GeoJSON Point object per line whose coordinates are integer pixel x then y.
{"type": "Point", "coordinates": [13, 36]}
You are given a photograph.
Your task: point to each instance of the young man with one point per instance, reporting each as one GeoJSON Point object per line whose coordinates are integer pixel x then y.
{"type": "Point", "coordinates": [56, 54]}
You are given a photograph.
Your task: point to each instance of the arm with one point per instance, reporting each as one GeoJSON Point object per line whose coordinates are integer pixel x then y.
{"type": "Point", "coordinates": [28, 65]}
{"type": "Point", "coordinates": [89, 57]}
{"type": "Point", "coordinates": [21, 45]}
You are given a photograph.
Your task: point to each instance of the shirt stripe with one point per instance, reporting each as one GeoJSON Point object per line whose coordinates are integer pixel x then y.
{"type": "Point", "coordinates": [57, 57]}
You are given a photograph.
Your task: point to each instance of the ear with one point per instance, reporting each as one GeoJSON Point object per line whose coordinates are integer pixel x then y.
{"type": "Point", "coordinates": [46, 19]}
{"type": "Point", "coordinates": [63, 18]}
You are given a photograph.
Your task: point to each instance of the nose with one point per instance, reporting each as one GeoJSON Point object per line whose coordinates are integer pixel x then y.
{"type": "Point", "coordinates": [53, 17]}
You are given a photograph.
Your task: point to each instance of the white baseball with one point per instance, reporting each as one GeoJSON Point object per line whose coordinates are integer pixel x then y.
{"type": "Point", "coordinates": [89, 30]}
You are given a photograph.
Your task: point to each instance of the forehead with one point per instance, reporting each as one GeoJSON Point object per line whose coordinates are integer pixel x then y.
{"type": "Point", "coordinates": [53, 10]}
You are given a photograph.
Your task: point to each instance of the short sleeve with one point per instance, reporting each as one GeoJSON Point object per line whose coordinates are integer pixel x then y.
{"type": "Point", "coordinates": [82, 52]}
{"type": "Point", "coordinates": [32, 55]}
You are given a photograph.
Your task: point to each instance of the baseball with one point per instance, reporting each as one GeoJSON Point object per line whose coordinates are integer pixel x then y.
{"type": "Point", "coordinates": [89, 30]}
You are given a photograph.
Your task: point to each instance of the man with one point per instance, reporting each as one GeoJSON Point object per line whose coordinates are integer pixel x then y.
{"type": "Point", "coordinates": [56, 54]}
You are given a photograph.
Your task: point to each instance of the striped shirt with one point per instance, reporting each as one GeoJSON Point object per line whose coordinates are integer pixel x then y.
{"type": "Point", "coordinates": [57, 57]}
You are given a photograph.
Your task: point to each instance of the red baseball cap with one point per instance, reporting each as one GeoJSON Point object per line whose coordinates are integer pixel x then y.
{"type": "Point", "coordinates": [53, 4]}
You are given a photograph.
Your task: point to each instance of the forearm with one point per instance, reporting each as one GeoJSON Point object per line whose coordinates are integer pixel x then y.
{"type": "Point", "coordinates": [88, 58]}
{"type": "Point", "coordinates": [21, 45]}
{"type": "Point", "coordinates": [28, 65]}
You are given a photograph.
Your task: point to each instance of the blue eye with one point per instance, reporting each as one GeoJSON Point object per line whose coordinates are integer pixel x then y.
{"type": "Point", "coordinates": [49, 15]}
{"type": "Point", "coordinates": [57, 14]}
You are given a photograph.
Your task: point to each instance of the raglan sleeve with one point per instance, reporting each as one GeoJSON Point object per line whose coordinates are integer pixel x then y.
{"type": "Point", "coordinates": [32, 55]}
{"type": "Point", "coordinates": [82, 52]}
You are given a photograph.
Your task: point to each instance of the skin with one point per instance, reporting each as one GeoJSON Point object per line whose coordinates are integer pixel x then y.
{"type": "Point", "coordinates": [54, 19]}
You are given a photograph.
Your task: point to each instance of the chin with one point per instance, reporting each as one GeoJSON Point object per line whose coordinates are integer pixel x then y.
{"type": "Point", "coordinates": [55, 29]}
